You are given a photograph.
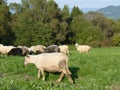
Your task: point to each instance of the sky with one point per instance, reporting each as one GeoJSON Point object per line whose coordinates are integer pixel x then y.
{"type": "Point", "coordinates": [82, 3]}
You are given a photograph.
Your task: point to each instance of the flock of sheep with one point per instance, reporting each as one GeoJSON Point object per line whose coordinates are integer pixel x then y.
{"type": "Point", "coordinates": [53, 58]}
{"type": "Point", "coordinates": [38, 49]}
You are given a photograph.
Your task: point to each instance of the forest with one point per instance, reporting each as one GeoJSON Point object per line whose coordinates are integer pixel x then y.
{"type": "Point", "coordinates": [42, 22]}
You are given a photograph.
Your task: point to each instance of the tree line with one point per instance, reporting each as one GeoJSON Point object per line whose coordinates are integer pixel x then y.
{"type": "Point", "coordinates": [42, 22]}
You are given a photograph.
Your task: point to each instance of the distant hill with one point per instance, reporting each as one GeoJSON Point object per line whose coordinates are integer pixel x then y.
{"type": "Point", "coordinates": [112, 12]}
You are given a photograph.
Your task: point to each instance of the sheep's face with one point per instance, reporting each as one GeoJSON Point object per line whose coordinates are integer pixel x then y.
{"type": "Point", "coordinates": [26, 62]}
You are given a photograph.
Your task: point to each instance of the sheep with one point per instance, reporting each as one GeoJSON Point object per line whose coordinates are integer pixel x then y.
{"type": "Point", "coordinates": [50, 62]}
{"type": "Point", "coordinates": [82, 48]}
{"type": "Point", "coordinates": [15, 51]}
{"type": "Point", "coordinates": [1, 44]}
{"type": "Point", "coordinates": [25, 50]}
{"type": "Point", "coordinates": [37, 49]}
{"type": "Point", "coordinates": [5, 49]}
{"type": "Point", "coordinates": [52, 48]}
{"type": "Point", "coordinates": [1, 48]}
{"type": "Point", "coordinates": [64, 49]}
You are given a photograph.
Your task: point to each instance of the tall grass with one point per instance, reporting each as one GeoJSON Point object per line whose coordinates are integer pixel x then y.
{"type": "Point", "coordinates": [97, 70]}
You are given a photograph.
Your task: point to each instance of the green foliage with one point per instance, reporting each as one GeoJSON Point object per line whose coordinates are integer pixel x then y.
{"type": "Point", "coordinates": [66, 14]}
{"type": "Point", "coordinates": [59, 30]}
{"type": "Point", "coordinates": [43, 22]}
{"type": "Point", "coordinates": [97, 70]}
{"type": "Point", "coordinates": [116, 26]}
{"type": "Point", "coordinates": [76, 11]}
{"type": "Point", "coordinates": [2, 2]}
{"type": "Point", "coordinates": [103, 23]}
{"type": "Point", "coordinates": [52, 10]}
{"type": "Point", "coordinates": [6, 34]}
{"type": "Point", "coordinates": [35, 32]}
{"type": "Point", "coordinates": [116, 36]}
{"type": "Point", "coordinates": [40, 25]}
{"type": "Point", "coordinates": [84, 31]}
{"type": "Point", "coordinates": [116, 39]}
{"type": "Point", "coordinates": [14, 8]}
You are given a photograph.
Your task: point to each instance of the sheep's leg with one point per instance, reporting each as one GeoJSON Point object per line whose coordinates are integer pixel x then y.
{"type": "Point", "coordinates": [69, 78]}
{"type": "Point", "coordinates": [43, 76]}
{"type": "Point", "coordinates": [60, 78]}
{"type": "Point", "coordinates": [38, 74]}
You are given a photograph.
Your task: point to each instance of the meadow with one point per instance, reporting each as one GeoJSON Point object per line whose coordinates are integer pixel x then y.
{"type": "Point", "coordinates": [97, 70]}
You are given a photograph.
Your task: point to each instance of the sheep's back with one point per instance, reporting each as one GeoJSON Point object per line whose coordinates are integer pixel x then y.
{"type": "Point", "coordinates": [50, 59]}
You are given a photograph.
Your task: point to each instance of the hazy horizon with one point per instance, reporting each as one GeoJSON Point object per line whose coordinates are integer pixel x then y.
{"type": "Point", "coordinates": [81, 3]}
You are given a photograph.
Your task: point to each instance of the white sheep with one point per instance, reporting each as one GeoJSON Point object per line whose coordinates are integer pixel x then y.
{"type": "Point", "coordinates": [25, 50]}
{"type": "Point", "coordinates": [82, 48]}
{"type": "Point", "coordinates": [50, 62]}
{"type": "Point", "coordinates": [1, 48]}
{"type": "Point", "coordinates": [1, 44]}
{"type": "Point", "coordinates": [37, 49]}
{"type": "Point", "coordinates": [64, 49]}
{"type": "Point", "coordinates": [5, 49]}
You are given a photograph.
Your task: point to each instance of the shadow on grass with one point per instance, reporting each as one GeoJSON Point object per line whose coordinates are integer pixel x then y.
{"type": "Point", "coordinates": [74, 71]}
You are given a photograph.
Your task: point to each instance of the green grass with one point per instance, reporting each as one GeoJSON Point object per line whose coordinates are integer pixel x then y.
{"type": "Point", "coordinates": [98, 70]}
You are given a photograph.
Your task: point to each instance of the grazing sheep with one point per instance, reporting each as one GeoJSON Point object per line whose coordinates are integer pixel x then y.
{"type": "Point", "coordinates": [25, 50]}
{"type": "Point", "coordinates": [64, 49]}
{"type": "Point", "coordinates": [5, 49]}
{"type": "Point", "coordinates": [1, 44]}
{"type": "Point", "coordinates": [1, 48]}
{"type": "Point", "coordinates": [50, 62]}
{"type": "Point", "coordinates": [15, 51]}
{"type": "Point", "coordinates": [37, 49]}
{"type": "Point", "coordinates": [82, 48]}
{"type": "Point", "coordinates": [52, 48]}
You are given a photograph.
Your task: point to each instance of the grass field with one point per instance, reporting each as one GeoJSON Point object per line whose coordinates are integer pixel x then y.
{"type": "Point", "coordinates": [98, 70]}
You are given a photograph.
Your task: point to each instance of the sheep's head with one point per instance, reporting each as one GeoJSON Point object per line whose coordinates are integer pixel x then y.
{"type": "Point", "coordinates": [1, 45]}
{"type": "Point", "coordinates": [27, 59]}
{"type": "Point", "coordinates": [76, 44]}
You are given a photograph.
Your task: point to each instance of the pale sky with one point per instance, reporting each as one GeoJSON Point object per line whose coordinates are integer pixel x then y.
{"type": "Point", "coordinates": [82, 3]}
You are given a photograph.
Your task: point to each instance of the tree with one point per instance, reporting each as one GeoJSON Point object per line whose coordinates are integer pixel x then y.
{"type": "Point", "coordinates": [52, 11]}
{"type": "Point", "coordinates": [2, 2]}
{"type": "Point", "coordinates": [6, 34]}
{"type": "Point", "coordinates": [83, 30]}
{"type": "Point", "coordinates": [76, 11]}
{"type": "Point", "coordinates": [116, 39]}
{"type": "Point", "coordinates": [116, 35]}
{"type": "Point", "coordinates": [31, 22]}
{"type": "Point", "coordinates": [15, 8]}
{"type": "Point", "coordinates": [66, 14]}
{"type": "Point", "coordinates": [105, 25]}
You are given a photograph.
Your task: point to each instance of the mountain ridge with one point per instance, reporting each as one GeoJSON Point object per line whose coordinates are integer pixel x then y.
{"type": "Point", "coordinates": [111, 11]}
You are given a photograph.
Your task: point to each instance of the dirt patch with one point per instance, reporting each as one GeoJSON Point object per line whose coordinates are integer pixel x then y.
{"type": "Point", "coordinates": [2, 75]}
{"type": "Point", "coordinates": [26, 77]}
